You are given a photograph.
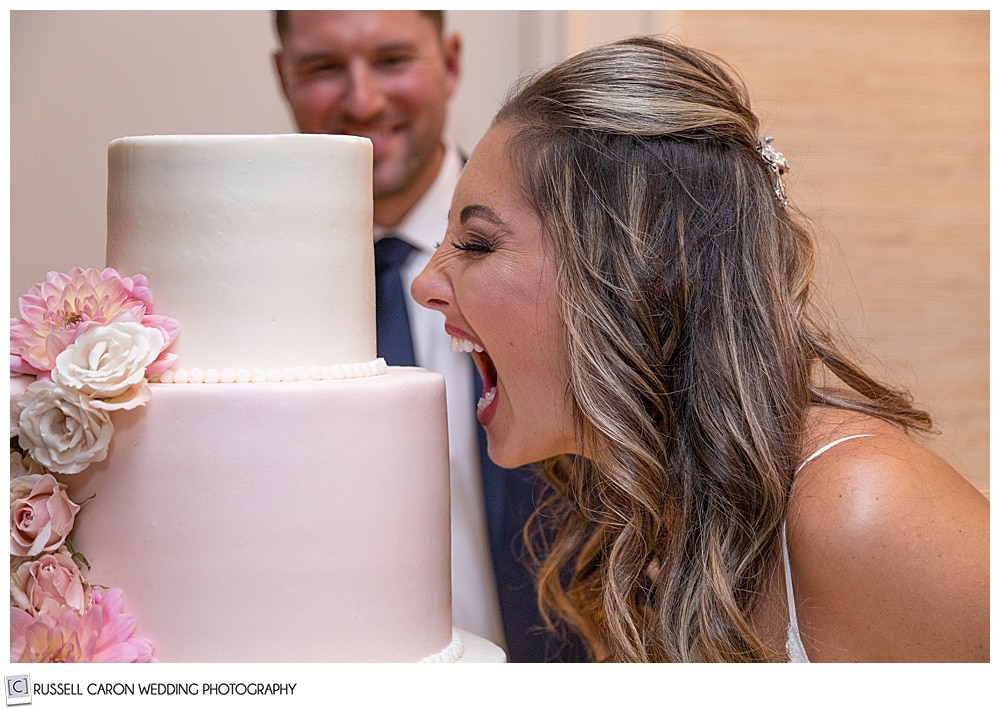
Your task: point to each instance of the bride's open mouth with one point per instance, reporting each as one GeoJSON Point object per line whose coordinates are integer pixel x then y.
{"type": "Point", "coordinates": [485, 408]}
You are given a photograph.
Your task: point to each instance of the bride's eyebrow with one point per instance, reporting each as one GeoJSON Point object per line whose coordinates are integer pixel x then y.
{"type": "Point", "coordinates": [480, 211]}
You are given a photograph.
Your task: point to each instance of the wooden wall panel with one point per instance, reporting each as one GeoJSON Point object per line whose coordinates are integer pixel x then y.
{"type": "Point", "coordinates": [885, 119]}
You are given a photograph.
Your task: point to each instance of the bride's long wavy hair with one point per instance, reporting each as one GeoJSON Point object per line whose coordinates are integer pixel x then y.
{"type": "Point", "coordinates": [694, 354]}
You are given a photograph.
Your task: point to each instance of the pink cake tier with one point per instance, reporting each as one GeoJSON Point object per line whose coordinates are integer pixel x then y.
{"type": "Point", "coordinates": [290, 521]}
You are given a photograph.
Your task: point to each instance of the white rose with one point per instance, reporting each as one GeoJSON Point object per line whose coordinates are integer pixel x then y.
{"type": "Point", "coordinates": [18, 383]}
{"type": "Point", "coordinates": [109, 364]}
{"type": "Point", "coordinates": [61, 430]}
{"type": "Point", "coordinates": [23, 465]}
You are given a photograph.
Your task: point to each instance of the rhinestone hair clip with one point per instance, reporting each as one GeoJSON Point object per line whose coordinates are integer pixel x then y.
{"type": "Point", "coordinates": [777, 162]}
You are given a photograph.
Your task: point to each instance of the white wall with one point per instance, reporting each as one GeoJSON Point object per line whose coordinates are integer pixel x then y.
{"type": "Point", "coordinates": [81, 79]}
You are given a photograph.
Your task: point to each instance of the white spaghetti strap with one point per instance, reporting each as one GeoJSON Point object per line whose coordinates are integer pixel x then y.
{"type": "Point", "coordinates": [829, 446]}
{"type": "Point", "coordinates": [793, 641]}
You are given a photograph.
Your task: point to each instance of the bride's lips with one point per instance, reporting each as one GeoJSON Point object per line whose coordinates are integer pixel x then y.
{"type": "Point", "coordinates": [487, 405]}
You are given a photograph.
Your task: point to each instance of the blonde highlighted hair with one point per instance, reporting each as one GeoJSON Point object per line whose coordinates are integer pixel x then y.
{"type": "Point", "coordinates": [694, 353]}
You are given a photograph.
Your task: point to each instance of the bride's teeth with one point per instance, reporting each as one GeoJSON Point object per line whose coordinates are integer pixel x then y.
{"type": "Point", "coordinates": [486, 399]}
{"type": "Point", "coordinates": [461, 345]}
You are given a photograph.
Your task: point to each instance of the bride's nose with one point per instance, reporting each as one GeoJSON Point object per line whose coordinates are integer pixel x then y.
{"type": "Point", "coordinates": [432, 287]}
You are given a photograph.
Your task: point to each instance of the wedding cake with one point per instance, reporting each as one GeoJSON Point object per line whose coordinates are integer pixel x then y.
{"type": "Point", "coordinates": [276, 493]}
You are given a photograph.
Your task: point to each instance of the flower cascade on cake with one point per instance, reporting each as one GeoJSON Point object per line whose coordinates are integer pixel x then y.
{"type": "Point", "coordinates": [87, 343]}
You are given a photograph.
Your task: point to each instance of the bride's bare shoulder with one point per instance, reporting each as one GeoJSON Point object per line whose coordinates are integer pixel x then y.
{"type": "Point", "coordinates": [882, 531]}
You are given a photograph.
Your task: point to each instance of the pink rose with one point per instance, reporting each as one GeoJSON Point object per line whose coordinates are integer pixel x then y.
{"type": "Point", "coordinates": [41, 514]}
{"type": "Point", "coordinates": [49, 585]}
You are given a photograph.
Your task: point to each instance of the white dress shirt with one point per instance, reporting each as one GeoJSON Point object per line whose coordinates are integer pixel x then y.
{"type": "Point", "coordinates": [475, 607]}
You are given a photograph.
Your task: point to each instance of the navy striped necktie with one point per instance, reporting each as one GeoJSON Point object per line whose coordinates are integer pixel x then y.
{"type": "Point", "coordinates": [392, 324]}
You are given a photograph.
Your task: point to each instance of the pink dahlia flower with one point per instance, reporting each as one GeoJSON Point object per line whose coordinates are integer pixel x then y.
{"type": "Point", "coordinates": [53, 310]}
{"type": "Point", "coordinates": [102, 635]}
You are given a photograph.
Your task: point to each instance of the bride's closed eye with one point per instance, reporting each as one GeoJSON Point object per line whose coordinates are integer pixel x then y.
{"type": "Point", "coordinates": [473, 244]}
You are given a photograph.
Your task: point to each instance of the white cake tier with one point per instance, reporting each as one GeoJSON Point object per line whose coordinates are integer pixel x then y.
{"type": "Point", "coordinates": [278, 522]}
{"type": "Point", "coordinates": [260, 246]}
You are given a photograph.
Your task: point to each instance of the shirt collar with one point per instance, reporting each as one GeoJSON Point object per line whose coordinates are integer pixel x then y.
{"type": "Point", "coordinates": [424, 225]}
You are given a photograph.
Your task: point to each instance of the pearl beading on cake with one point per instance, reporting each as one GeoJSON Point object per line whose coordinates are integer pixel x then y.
{"type": "Point", "coordinates": [197, 376]}
{"type": "Point", "coordinates": [451, 654]}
